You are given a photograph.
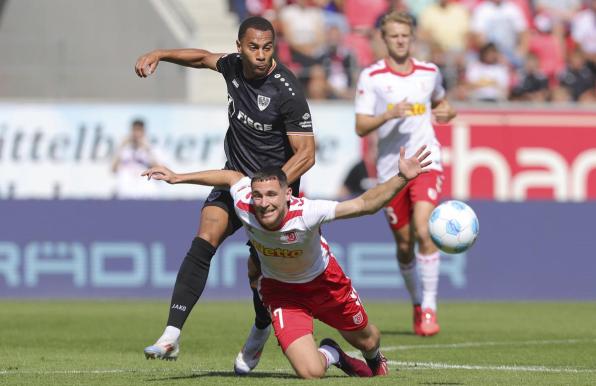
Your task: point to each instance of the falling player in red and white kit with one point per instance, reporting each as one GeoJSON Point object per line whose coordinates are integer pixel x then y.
{"type": "Point", "coordinates": [397, 98]}
{"type": "Point", "coordinates": [301, 279]}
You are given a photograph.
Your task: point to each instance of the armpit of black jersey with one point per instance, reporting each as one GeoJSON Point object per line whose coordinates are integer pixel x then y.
{"type": "Point", "coordinates": [261, 114]}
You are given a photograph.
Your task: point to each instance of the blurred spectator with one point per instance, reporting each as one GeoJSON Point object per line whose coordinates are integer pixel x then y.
{"type": "Point", "coordinates": [547, 42]}
{"type": "Point", "coordinates": [501, 22]}
{"type": "Point", "coordinates": [340, 65]}
{"type": "Point", "coordinates": [362, 17]}
{"type": "Point", "coordinates": [417, 7]}
{"type": "Point", "coordinates": [447, 24]}
{"type": "Point", "coordinates": [583, 31]}
{"type": "Point", "coordinates": [487, 79]}
{"type": "Point", "coordinates": [577, 82]}
{"type": "Point", "coordinates": [363, 175]}
{"type": "Point", "coordinates": [133, 157]}
{"type": "Point", "coordinates": [558, 10]}
{"type": "Point", "coordinates": [533, 84]}
{"type": "Point", "coordinates": [303, 28]}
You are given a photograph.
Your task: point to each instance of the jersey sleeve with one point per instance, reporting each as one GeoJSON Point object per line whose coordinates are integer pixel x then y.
{"type": "Point", "coordinates": [438, 89]}
{"type": "Point", "coordinates": [365, 95]}
{"type": "Point", "coordinates": [225, 65]}
{"type": "Point", "coordinates": [317, 212]}
{"type": "Point", "coordinates": [295, 111]}
{"type": "Point", "coordinates": [240, 189]}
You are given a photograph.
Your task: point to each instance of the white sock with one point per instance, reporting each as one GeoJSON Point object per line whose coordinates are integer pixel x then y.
{"type": "Point", "coordinates": [330, 354]}
{"type": "Point", "coordinates": [256, 339]}
{"type": "Point", "coordinates": [170, 333]}
{"type": "Point", "coordinates": [428, 267]}
{"type": "Point", "coordinates": [408, 272]}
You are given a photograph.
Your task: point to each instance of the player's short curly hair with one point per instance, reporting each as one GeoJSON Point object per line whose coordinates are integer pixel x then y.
{"type": "Point", "coordinates": [257, 22]}
{"type": "Point", "coordinates": [271, 173]}
{"type": "Point", "coordinates": [396, 17]}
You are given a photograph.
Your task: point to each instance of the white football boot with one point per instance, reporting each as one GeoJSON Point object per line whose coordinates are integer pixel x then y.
{"type": "Point", "coordinates": [249, 356]}
{"type": "Point", "coordinates": [165, 348]}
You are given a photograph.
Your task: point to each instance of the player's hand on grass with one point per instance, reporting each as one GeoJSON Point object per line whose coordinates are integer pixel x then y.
{"type": "Point", "coordinates": [399, 110]}
{"type": "Point", "coordinates": [161, 173]}
{"type": "Point", "coordinates": [146, 64]}
{"type": "Point", "coordinates": [410, 168]}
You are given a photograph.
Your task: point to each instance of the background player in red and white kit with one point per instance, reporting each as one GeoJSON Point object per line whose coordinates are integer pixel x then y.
{"type": "Point", "coordinates": [300, 276]}
{"type": "Point", "coordinates": [397, 97]}
{"type": "Point", "coordinates": [269, 124]}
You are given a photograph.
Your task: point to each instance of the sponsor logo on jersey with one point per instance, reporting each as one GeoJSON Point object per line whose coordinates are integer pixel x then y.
{"type": "Point", "coordinates": [235, 83]}
{"type": "Point", "coordinates": [276, 252]}
{"type": "Point", "coordinates": [248, 121]}
{"type": "Point", "coordinates": [306, 116]}
{"type": "Point", "coordinates": [417, 108]}
{"type": "Point", "coordinates": [263, 102]}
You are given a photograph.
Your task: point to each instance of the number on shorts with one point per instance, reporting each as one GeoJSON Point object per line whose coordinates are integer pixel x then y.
{"type": "Point", "coordinates": [391, 215]}
{"type": "Point", "coordinates": [277, 312]}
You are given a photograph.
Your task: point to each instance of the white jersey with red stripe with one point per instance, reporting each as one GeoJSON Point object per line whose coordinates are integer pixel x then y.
{"type": "Point", "coordinates": [379, 89]}
{"type": "Point", "coordinates": [296, 252]}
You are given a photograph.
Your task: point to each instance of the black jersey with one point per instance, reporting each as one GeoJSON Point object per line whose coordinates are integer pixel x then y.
{"type": "Point", "coordinates": [262, 112]}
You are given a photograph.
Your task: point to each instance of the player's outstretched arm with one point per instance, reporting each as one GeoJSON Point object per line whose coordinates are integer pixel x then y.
{"type": "Point", "coordinates": [376, 198]}
{"type": "Point", "coordinates": [190, 57]}
{"type": "Point", "coordinates": [207, 177]}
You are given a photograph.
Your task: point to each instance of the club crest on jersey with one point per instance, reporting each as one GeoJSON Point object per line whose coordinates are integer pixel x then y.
{"type": "Point", "coordinates": [263, 102]}
{"type": "Point", "coordinates": [358, 318]}
{"type": "Point", "coordinates": [290, 237]}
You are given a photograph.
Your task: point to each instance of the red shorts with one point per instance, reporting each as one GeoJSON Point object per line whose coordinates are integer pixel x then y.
{"type": "Point", "coordinates": [425, 187]}
{"type": "Point", "coordinates": [329, 297]}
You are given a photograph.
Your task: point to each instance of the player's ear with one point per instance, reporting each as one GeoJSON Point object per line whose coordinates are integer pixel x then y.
{"type": "Point", "coordinates": [288, 194]}
{"type": "Point", "coordinates": [238, 45]}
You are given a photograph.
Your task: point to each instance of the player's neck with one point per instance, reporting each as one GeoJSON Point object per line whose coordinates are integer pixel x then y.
{"type": "Point", "coordinates": [401, 65]}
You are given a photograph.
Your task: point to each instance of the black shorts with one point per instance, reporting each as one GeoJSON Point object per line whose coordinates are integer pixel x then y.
{"type": "Point", "coordinates": [222, 198]}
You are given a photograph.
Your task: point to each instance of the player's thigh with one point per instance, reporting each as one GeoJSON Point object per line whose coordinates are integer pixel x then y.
{"type": "Point", "coordinates": [305, 357]}
{"type": "Point", "coordinates": [336, 302]}
{"type": "Point", "coordinates": [290, 322]}
{"type": "Point", "coordinates": [218, 218]}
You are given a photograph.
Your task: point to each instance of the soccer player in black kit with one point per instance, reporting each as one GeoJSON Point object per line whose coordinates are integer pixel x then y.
{"type": "Point", "coordinates": [269, 124]}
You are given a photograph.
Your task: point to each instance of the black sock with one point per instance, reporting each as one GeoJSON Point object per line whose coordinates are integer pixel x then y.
{"type": "Point", "coordinates": [190, 282]}
{"type": "Point", "coordinates": [262, 317]}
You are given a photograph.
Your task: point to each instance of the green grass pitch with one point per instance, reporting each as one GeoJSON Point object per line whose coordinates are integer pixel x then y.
{"type": "Point", "coordinates": [97, 342]}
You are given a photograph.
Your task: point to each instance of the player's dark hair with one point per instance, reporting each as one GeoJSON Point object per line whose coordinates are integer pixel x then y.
{"type": "Point", "coordinates": [138, 122]}
{"type": "Point", "coordinates": [257, 22]}
{"type": "Point", "coordinates": [271, 173]}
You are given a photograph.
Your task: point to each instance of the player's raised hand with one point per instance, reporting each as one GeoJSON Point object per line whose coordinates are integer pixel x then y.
{"type": "Point", "coordinates": [160, 173]}
{"type": "Point", "coordinates": [147, 64]}
{"type": "Point", "coordinates": [400, 110]}
{"type": "Point", "coordinates": [410, 168]}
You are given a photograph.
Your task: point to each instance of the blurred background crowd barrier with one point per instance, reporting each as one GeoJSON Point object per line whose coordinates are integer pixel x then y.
{"type": "Point", "coordinates": [77, 127]}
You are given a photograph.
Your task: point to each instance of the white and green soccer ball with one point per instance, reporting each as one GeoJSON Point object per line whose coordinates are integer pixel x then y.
{"type": "Point", "coordinates": [453, 226]}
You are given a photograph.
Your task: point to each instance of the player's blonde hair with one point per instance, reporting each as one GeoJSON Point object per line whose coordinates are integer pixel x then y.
{"type": "Point", "coordinates": [396, 17]}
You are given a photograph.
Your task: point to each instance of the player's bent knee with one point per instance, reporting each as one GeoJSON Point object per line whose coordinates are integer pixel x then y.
{"type": "Point", "coordinates": [310, 372]}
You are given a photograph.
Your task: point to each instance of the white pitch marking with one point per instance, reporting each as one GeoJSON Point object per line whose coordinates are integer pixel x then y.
{"type": "Point", "coordinates": [121, 371]}
{"type": "Point", "coordinates": [480, 344]}
{"type": "Point", "coordinates": [434, 366]}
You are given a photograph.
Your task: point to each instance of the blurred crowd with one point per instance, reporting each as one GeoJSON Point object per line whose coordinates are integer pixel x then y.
{"type": "Point", "coordinates": [488, 50]}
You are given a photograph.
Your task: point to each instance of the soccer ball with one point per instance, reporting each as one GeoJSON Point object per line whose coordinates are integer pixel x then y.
{"type": "Point", "coordinates": [453, 226]}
